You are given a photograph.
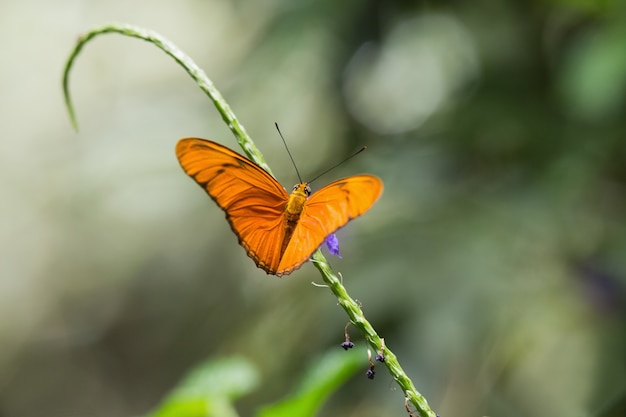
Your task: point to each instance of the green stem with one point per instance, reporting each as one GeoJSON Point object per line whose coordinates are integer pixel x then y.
{"type": "Point", "coordinates": [349, 305]}
{"type": "Point", "coordinates": [186, 62]}
{"type": "Point", "coordinates": [357, 318]}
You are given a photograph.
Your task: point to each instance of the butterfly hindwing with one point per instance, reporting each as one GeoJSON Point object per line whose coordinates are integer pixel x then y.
{"type": "Point", "coordinates": [254, 202]}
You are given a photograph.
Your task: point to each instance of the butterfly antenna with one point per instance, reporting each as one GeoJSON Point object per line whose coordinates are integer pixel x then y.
{"type": "Point", "coordinates": [336, 165]}
{"type": "Point", "coordinates": [287, 147]}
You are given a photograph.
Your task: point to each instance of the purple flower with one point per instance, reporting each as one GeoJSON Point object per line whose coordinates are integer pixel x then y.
{"type": "Point", "coordinates": [347, 345]}
{"type": "Point", "coordinates": [332, 243]}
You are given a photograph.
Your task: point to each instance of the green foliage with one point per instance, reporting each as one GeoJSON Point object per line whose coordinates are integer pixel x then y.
{"type": "Point", "coordinates": [324, 377]}
{"type": "Point", "coordinates": [594, 80]}
{"type": "Point", "coordinates": [211, 389]}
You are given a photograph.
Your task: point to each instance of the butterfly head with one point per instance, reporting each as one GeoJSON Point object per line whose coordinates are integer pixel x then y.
{"type": "Point", "coordinates": [302, 189]}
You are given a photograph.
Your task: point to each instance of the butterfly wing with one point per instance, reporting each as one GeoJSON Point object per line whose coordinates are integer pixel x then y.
{"type": "Point", "coordinates": [254, 202]}
{"type": "Point", "coordinates": [326, 211]}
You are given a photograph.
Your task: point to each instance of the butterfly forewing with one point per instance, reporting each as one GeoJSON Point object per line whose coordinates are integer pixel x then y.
{"type": "Point", "coordinates": [326, 211]}
{"type": "Point", "coordinates": [254, 202]}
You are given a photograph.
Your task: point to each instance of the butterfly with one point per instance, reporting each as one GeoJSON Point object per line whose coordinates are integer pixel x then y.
{"type": "Point", "coordinates": [278, 231]}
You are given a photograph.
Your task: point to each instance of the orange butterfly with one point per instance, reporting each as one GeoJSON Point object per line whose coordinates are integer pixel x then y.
{"type": "Point", "coordinates": [279, 231]}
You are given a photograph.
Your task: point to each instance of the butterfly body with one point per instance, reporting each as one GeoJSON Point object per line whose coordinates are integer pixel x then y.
{"type": "Point", "coordinates": [293, 210]}
{"type": "Point", "coordinates": [279, 231]}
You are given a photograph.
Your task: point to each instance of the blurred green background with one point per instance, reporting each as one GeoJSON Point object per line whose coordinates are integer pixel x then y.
{"type": "Point", "coordinates": [494, 265]}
